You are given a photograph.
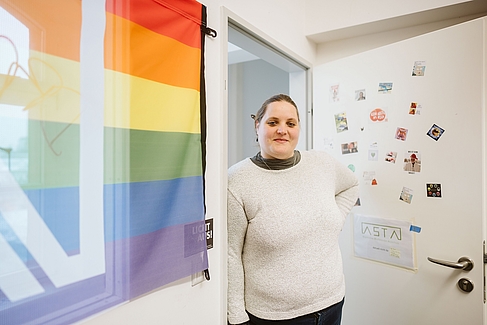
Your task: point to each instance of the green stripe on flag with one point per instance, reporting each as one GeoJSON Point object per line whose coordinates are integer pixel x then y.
{"type": "Point", "coordinates": [52, 156]}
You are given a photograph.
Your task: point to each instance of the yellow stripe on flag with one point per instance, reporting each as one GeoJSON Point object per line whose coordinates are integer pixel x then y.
{"type": "Point", "coordinates": [142, 104]}
{"type": "Point", "coordinates": [52, 94]}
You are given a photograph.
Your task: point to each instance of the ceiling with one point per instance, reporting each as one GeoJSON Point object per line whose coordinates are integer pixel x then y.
{"type": "Point", "coordinates": [242, 48]}
{"type": "Point", "coordinates": [470, 8]}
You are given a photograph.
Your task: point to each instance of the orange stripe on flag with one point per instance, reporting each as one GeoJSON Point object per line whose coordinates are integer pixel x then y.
{"type": "Point", "coordinates": [135, 50]}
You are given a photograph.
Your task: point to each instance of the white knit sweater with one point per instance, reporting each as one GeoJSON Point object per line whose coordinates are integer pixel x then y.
{"type": "Point", "coordinates": [283, 228]}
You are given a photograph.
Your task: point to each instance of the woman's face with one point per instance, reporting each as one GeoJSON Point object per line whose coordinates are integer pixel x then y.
{"type": "Point", "coordinates": [278, 131]}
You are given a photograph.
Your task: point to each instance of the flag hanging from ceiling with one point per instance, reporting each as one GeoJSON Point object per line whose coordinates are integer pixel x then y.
{"type": "Point", "coordinates": [102, 161]}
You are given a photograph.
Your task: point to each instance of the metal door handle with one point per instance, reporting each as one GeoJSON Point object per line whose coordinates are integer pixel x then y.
{"type": "Point", "coordinates": [464, 263]}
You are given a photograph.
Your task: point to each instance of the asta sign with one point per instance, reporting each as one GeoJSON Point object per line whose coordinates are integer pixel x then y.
{"type": "Point", "coordinates": [381, 231]}
{"type": "Point", "coordinates": [384, 240]}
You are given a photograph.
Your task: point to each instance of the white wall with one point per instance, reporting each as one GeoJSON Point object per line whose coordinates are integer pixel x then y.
{"type": "Point", "coordinates": [283, 24]}
{"type": "Point", "coordinates": [282, 21]}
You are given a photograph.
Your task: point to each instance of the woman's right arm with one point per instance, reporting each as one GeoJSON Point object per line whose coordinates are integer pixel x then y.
{"type": "Point", "coordinates": [237, 229]}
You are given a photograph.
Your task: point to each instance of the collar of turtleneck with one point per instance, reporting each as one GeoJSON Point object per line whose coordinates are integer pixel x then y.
{"type": "Point", "coordinates": [276, 164]}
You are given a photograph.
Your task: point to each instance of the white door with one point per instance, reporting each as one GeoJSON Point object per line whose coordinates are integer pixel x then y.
{"type": "Point", "coordinates": [450, 94]}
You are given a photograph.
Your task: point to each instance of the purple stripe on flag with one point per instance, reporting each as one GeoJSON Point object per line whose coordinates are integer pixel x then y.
{"type": "Point", "coordinates": [158, 258]}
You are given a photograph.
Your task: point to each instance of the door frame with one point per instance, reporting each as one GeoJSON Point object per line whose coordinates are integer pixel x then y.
{"type": "Point", "coordinates": [282, 56]}
{"type": "Point", "coordinates": [484, 163]}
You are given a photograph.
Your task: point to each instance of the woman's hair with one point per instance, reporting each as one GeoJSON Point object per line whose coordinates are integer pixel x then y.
{"type": "Point", "coordinates": [276, 98]}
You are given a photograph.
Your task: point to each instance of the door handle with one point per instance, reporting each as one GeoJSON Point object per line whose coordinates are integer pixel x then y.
{"type": "Point", "coordinates": [464, 263]}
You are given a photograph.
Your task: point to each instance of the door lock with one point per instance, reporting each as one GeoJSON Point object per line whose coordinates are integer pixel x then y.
{"type": "Point", "coordinates": [465, 285]}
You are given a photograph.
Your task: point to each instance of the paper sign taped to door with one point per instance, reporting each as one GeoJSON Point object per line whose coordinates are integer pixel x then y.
{"type": "Point", "coordinates": [384, 240]}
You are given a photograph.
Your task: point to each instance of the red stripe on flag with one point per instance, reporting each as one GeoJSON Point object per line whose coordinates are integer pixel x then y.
{"type": "Point", "coordinates": [157, 17]}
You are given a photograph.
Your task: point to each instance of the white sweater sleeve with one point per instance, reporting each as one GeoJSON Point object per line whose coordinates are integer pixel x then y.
{"type": "Point", "coordinates": [237, 228]}
{"type": "Point", "coordinates": [346, 188]}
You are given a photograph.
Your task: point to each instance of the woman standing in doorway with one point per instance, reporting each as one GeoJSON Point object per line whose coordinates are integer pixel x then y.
{"type": "Point", "coordinates": [286, 209]}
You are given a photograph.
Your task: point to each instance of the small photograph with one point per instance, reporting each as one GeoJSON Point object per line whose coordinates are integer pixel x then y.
{"type": "Point", "coordinates": [378, 115]}
{"type": "Point", "coordinates": [370, 178]}
{"type": "Point", "coordinates": [350, 147]}
{"type": "Point", "coordinates": [341, 123]}
{"type": "Point", "coordinates": [401, 134]}
{"type": "Point", "coordinates": [335, 93]}
{"type": "Point", "coordinates": [360, 94]}
{"type": "Point", "coordinates": [435, 132]}
{"type": "Point", "coordinates": [412, 162]}
{"type": "Point", "coordinates": [418, 68]}
{"type": "Point", "coordinates": [414, 109]}
{"type": "Point", "coordinates": [391, 157]}
{"type": "Point", "coordinates": [433, 190]}
{"type": "Point", "coordinates": [406, 195]}
{"type": "Point", "coordinates": [385, 87]}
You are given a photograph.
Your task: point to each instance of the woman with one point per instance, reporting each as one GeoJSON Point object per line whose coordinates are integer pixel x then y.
{"type": "Point", "coordinates": [285, 211]}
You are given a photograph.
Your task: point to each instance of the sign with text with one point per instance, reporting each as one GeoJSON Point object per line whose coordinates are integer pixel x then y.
{"type": "Point", "coordinates": [384, 240]}
{"type": "Point", "coordinates": [209, 233]}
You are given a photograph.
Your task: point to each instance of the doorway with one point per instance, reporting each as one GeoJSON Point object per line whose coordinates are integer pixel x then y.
{"type": "Point", "coordinates": [256, 71]}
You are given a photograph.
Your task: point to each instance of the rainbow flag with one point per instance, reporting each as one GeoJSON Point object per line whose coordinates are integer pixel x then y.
{"type": "Point", "coordinates": [102, 138]}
